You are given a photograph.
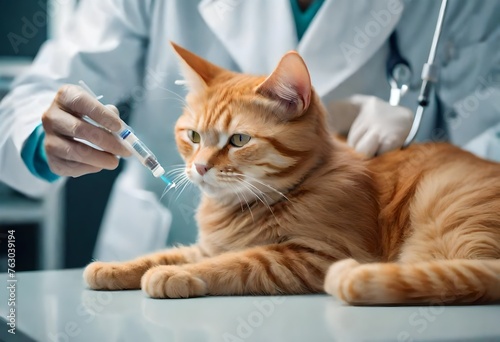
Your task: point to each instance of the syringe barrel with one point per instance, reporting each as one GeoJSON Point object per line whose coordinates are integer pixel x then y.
{"type": "Point", "coordinates": [140, 150]}
{"type": "Point", "coordinates": [130, 140]}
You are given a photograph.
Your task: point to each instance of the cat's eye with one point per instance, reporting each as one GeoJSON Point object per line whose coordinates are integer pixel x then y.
{"type": "Point", "coordinates": [239, 140]}
{"type": "Point", "coordinates": [194, 136]}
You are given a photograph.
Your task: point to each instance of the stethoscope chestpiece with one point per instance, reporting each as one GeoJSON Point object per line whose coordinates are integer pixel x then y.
{"type": "Point", "coordinates": [398, 72]}
{"type": "Point", "coordinates": [399, 80]}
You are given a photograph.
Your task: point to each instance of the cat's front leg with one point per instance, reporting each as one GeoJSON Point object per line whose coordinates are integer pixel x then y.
{"type": "Point", "coordinates": [266, 270]}
{"type": "Point", "coordinates": [127, 275]}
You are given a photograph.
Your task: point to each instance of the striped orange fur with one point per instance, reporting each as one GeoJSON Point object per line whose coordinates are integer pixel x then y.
{"type": "Point", "coordinates": [294, 210]}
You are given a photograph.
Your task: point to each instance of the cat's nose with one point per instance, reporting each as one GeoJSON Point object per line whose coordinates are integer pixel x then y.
{"type": "Point", "coordinates": [202, 168]}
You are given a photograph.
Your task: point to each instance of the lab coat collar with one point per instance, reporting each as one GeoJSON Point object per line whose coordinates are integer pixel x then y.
{"type": "Point", "coordinates": [255, 33]}
{"type": "Point", "coordinates": [341, 38]}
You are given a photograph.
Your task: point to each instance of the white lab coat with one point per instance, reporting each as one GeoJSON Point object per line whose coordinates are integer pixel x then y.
{"type": "Point", "coordinates": [120, 48]}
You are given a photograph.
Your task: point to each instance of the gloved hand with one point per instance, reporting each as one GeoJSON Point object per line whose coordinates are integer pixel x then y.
{"type": "Point", "coordinates": [379, 127]}
{"type": "Point", "coordinates": [63, 123]}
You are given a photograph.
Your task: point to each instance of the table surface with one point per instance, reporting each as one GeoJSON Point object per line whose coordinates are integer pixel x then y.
{"type": "Point", "coordinates": [56, 306]}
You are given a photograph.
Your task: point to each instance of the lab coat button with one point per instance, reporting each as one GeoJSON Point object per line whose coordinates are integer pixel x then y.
{"type": "Point", "coordinates": [450, 52]}
{"type": "Point", "coordinates": [450, 114]}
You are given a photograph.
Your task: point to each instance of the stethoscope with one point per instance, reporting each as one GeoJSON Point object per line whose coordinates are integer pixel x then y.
{"type": "Point", "coordinates": [399, 75]}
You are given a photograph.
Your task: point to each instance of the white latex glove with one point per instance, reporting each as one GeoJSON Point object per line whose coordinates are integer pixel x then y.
{"type": "Point", "coordinates": [379, 127]}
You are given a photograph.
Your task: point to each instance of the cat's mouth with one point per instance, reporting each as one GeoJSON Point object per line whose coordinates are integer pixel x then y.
{"type": "Point", "coordinates": [217, 188]}
{"type": "Point", "coordinates": [218, 182]}
{"type": "Point", "coordinates": [214, 182]}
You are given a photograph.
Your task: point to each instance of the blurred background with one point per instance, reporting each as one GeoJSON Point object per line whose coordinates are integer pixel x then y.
{"type": "Point", "coordinates": [54, 232]}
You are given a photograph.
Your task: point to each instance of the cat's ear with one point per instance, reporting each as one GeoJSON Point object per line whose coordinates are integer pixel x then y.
{"type": "Point", "coordinates": [288, 87]}
{"type": "Point", "coordinates": [197, 71]}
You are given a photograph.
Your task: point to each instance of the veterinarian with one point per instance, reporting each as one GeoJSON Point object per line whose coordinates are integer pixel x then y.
{"type": "Point", "coordinates": [120, 49]}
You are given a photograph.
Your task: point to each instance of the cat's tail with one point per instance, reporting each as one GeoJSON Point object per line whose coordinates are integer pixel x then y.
{"type": "Point", "coordinates": [439, 281]}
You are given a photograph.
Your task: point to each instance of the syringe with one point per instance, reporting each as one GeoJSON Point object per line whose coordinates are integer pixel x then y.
{"type": "Point", "coordinates": [133, 144]}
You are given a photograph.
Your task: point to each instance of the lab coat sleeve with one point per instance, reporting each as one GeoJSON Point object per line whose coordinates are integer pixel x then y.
{"type": "Point", "coordinates": [469, 85]}
{"type": "Point", "coordinates": [487, 144]}
{"type": "Point", "coordinates": [104, 45]}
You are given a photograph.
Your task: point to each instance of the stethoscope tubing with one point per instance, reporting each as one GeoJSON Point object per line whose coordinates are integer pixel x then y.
{"type": "Point", "coordinates": [429, 77]}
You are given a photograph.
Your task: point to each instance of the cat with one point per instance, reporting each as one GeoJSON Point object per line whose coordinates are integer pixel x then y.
{"type": "Point", "coordinates": [289, 209]}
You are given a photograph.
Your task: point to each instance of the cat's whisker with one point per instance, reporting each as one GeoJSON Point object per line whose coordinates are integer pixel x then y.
{"type": "Point", "coordinates": [181, 172]}
{"type": "Point", "coordinates": [180, 98]}
{"type": "Point", "coordinates": [166, 190]}
{"type": "Point", "coordinates": [264, 184]}
{"type": "Point", "coordinates": [182, 185]}
{"type": "Point", "coordinates": [182, 180]}
{"type": "Point", "coordinates": [175, 172]}
{"type": "Point", "coordinates": [235, 190]}
{"type": "Point", "coordinates": [248, 205]}
{"type": "Point", "coordinates": [177, 175]}
{"type": "Point", "coordinates": [257, 190]}
{"type": "Point", "coordinates": [177, 180]}
{"type": "Point", "coordinates": [164, 98]}
{"type": "Point", "coordinates": [176, 168]}
{"type": "Point", "coordinates": [266, 204]}
{"type": "Point", "coordinates": [176, 165]}
{"type": "Point", "coordinates": [186, 183]}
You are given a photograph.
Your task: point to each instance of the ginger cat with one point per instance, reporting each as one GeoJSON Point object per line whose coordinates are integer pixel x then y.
{"type": "Point", "coordinates": [287, 209]}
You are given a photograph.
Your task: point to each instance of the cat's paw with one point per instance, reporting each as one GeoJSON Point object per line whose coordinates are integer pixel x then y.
{"type": "Point", "coordinates": [336, 277]}
{"type": "Point", "coordinates": [111, 276]}
{"type": "Point", "coordinates": [172, 282]}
